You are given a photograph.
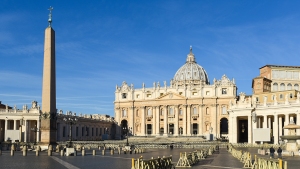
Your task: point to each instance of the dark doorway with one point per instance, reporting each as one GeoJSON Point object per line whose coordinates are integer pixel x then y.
{"type": "Point", "coordinates": [223, 126]}
{"type": "Point", "coordinates": [195, 128]}
{"type": "Point", "coordinates": [149, 128]}
{"type": "Point", "coordinates": [243, 131]}
{"type": "Point", "coordinates": [171, 129]}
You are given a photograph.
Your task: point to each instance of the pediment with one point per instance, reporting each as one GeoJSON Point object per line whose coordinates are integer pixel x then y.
{"type": "Point", "coordinates": [170, 95]}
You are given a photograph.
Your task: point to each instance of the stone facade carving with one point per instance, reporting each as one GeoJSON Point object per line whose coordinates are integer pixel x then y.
{"type": "Point", "coordinates": [189, 87]}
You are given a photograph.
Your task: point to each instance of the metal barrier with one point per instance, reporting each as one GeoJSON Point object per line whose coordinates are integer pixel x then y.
{"type": "Point", "coordinates": [153, 163]}
{"type": "Point", "coordinates": [192, 158]}
{"type": "Point", "coordinates": [259, 163]}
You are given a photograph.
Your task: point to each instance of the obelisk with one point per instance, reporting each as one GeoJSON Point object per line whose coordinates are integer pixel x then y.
{"type": "Point", "coordinates": [48, 116]}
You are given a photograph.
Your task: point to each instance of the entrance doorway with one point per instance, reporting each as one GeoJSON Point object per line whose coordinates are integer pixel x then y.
{"type": "Point", "coordinates": [243, 131]}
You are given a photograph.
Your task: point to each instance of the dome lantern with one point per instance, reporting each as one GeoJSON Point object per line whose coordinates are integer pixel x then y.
{"type": "Point", "coordinates": [190, 73]}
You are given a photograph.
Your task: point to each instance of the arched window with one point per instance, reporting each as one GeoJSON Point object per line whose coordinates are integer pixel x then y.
{"type": "Point", "coordinates": [149, 112]}
{"type": "Point", "coordinates": [207, 111]}
{"type": "Point", "coordinates": [291, 95]}
{"type": "Point", "coordinates": [280, 96]}
{"type": "Point", "coordinates": [171, 111]}
{"type": "Point", "coordinates": [275, 87]}
{"type": "Point", "coordinates": [282, 86]}
{"type": "Point", "coordinates": [224, 111]}
{"type": "Point", "coordinates": [195, 110]}
{"type": "Point", "coordinates": [289, 86]}
{"type": "Point", "coordinates": [124, 113]}
{"type": "Point", "coordinates": [161, 112]}
{"type": "Point", "coordinates": [296, 87]}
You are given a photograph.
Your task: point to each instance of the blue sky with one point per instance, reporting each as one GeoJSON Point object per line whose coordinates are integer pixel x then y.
{"type": "Point", "coordinates": [99, 44]}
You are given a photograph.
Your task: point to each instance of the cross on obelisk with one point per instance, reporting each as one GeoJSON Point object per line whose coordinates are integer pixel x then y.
{"type": "Point", "coordinates": [50, 15]}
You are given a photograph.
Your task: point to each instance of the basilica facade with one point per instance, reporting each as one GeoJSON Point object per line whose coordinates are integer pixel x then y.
{"type": "Point", "coordinates": [189, 105]}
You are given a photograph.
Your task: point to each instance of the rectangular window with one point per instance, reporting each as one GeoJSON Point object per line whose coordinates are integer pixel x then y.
{"type": "Point", "coordinates": [161, 94]}
{"type": "Point", "coordinates": [289, 75]}
{"type": "Point", "coordinates": [82, 131]}
{"type": "Point", "coordinates": [257, 99]}
{"type": "Point", "coordinates": [207, 93]}
{"type": "Point", "coordinates": [195, 93]}
{"type": "Point", "coordinates": [224, 91]}
{"type": "Point", "coordinates": [87, 131]}
{"type": "Point", "coordinates": [282, 74]}
{"type": "Point", "coordinates": [296, 75]}
{"type": "Point", "coordinates": [149, 95]}
{"type": "Point", "coordinates": [100, 131]}
{"type": "Point", "coordinates": [92, 131]}
{"type": "Point", "coordinates": [96, 131]}
{"type": "Point", "coordinates": [137, 96]}
{"type": "Point", "coordinates": [124, 95]}
{"type": "Point", "coordinates": [180, 93]}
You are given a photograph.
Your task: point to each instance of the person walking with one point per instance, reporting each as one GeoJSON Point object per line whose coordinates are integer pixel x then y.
{"type": "Point", "coordinates": [272, 151]}
{"type": "Point", "coordinates": [279, 152]}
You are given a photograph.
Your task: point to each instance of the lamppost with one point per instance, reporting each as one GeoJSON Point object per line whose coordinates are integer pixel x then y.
{"type": "Point", "coordinates": [70, 120]}
{"type": "Point", "coordinates": [35, 130]}
{"type": "Point", "coordinates": [126, 130]}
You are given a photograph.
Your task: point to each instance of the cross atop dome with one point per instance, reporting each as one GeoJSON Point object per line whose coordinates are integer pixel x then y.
{"type": "Point", "coordinates": [191, 56]}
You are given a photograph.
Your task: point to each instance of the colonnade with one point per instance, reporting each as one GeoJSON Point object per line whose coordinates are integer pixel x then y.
{"type": "Point", "coordinates": [275, 122]}
{"type": "Point", "coordinates": [176, 120]}
{"type": "Point", "coordinates": [26, 130]}
{"type": "Point", "coordinates": [83, 131]}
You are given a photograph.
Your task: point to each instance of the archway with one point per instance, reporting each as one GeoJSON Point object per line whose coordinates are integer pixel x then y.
{"type": "Point", "coordinates": [223, 127]}
{"type": "Point", "coordinates": [124, 128]}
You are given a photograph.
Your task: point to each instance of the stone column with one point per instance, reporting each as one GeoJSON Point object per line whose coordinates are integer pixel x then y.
{"type": "Point", "coordinates": [275, 129]}
{"type": "Point", "coordinates": [280, 125]}
{"type": "Point", "coordinates": [131, 118]}
{"type": "Point", "coordinates": [233, 130]}
{"type": "Point", "coordinates": [250, 129]}
{"type": "Point", "coordinates": [25, 130]}
{"type": "Point", "coordinates": [176, 124]}
{"type": "Point", "coordinates": [38, 131]}
{"type": "Point", "coordinates": [143, 133]}
{"type": "Point", "coordinates": [286, 122]}
{"type": "Point", "coordinates": [259, 121]}
{"type": "Point", "coordinates": [5, 129]}
{"type": "Point", "coordinates": [117, 117]}
{"type": "Point", "coordinates": [157, 120]}
{"type": "Point", "coordinates": [265, 125]}
{"type": "Point", "coordinates": [269, 122]}
{"type": "Point", "coordinates": [184, 111]}
{"type": "Point", "coordinates": [153, 120]}
{"type": "Point", "coordinates": [298, 123]}
{"type": "Point", "coordinates": [188, 132]}
{"type": "Point", "coordinates": [165, 120]}
{"type": "Point", "coordinates": [200, 120]}
{"type": "Point", "coordinates": [15, 124]}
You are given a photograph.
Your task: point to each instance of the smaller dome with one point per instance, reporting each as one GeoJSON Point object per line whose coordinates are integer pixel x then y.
{"type": "Point", "coordinates": [191, 72]}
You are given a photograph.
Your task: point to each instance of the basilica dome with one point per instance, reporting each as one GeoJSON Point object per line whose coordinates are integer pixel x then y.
{"type": "Point", "coordinates": [190, 72]}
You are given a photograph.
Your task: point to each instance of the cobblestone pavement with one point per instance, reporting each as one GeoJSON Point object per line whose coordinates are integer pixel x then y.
{"type": "Point", "coordinates": [219, 160]}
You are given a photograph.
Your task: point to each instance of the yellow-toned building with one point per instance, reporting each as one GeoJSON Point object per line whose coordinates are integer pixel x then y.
{"type": "Point", "coordinates": [188, 106]}
{"type": "Point", "coordinates": [274, 104]}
